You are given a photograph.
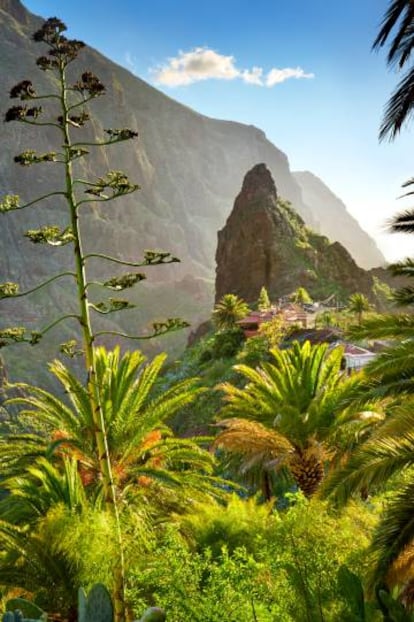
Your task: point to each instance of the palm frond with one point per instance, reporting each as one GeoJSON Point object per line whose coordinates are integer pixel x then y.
{"type": "Point", "coordinates": [392, 371]}
{"type": "Point", "coordinates": [404, 296]}
{"type": "Point", "coordinates": [399, 109]}
{"type": "Point", "coordinates": [394, 533]}
{"type": "Point", "coordinates": [40, 487]}
{"type": "Point", "coordinates": [135, 393]}
{"type": "Point", "coordinates": [385, 326]}
{"type": "Point", "coordinates": [17, 451]}
{"type": "Point", "coordinates": [389, 450]}
{"type": "Point", "coordinates": [44, 407]}
{"type": "Point", "coordinates": [164, 406]}
{"type": "Point", "coordinates": [31, 564]}
{"type": "Point", "coordinates": [75, 390]}
{"type": "Point", "coordinates": [405, 267]}
{"type": "Point", "coordinates": [402, 223]}
{"type": "Point", "coordinates": [256, 443]}
{"type": "Point", "coordinates": [402, 43]}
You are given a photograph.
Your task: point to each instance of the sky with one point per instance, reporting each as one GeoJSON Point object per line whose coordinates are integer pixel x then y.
{"type": "Point", "coordinates": [301, 70]}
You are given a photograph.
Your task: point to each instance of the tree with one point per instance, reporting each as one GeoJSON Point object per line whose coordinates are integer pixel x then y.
{"type": "Point", "coordinates": [388, 454]}
{"type": "Point", "coordinates": [273, 331]}
{"type": "Point", "coordinates": [358, 304]}
{"type": "Point", "coordinates": [391, 373]}
{"type": "Point", "coordinates": [146, 458]}
{"type": "Point", "coordinates": [288, 413]}
{"type": "Point", "coordinates": [70, 100]}
{"type": "Point", "coordinates": [54, 538]}
{"type": "Point", "coordinates": [398, 19]}
{"type": "Point", "coordinates": [56, 466]}
{"type": "Point", "coordinates": [301, 296]}
{"type": "Point", "coordinates": [228, 310]}
{"type": "Point", "coordinates": [263, 302]}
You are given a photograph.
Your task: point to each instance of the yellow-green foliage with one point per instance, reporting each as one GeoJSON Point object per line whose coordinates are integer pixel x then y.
{"type": "Point", "coordinates": [275, 565]}
{"type": "Point", "coordinates": [240, 523]}
{"type": "Point", "coordinates": [86, 540]}
{"type": "Point", "coordinates": [274, 331]}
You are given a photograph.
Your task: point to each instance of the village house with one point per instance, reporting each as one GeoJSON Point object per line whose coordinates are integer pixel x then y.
{"type": "Point", "coordinates": [291, 314]}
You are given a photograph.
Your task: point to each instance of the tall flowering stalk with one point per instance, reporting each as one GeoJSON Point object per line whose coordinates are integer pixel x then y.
{"type": "Point", "coordinates": [71, 101]}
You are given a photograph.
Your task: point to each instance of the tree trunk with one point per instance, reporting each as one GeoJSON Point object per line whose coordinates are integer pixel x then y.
{"type": "Point", "coordinates": [308, 471]}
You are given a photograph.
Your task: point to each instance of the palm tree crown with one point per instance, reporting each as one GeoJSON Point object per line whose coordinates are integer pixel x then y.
{"type": "Point", "coordinates": [144, 452]}
{"type": "Point", "coordinates": [228, 310]}
{"type": "Point", "coordinates": [358, 303]}
{"type": "Point", "coordinates": [398, 25]}
{"type": "Point", "coordinates": [291, 409]}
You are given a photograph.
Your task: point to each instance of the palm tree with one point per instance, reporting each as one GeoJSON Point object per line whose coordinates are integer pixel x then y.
{"type": "Point", "coordinates": [43, 485]}
{"type": "Point", "coordinates": [39, 500]}
{"type": "Point", "coordinates": [391, 373]}
{"type": "Point", "coordinates": [289, 414]}
{"type": "Point", "coordinates": [388, 453]}
{"type": "Point", "coordinates": [358, 304]}
{"type": "Point", "coordinates": [145, 455]}
{"type": "Point", "coordinates": [403, 296]}
{"type": "Point", "coordinates": [397, 25]}
{"type": "Point", "coordinates": [55, 468]}
{"type": "Point", "coordinates": [228, 310]}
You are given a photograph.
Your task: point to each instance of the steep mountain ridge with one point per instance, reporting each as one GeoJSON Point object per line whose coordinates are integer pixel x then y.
{"type": "Point", "coordinates": [331, 218]}
{"type": "Point", "coordinates": [189, 167]}
{"type": "Point", "coordinates": [266, 243]}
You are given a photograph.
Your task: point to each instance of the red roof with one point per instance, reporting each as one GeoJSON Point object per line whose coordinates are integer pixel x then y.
{"type": "Point", "coordinates": [257, 317]}
{"type": "Point", "coordinates": [355, 350]}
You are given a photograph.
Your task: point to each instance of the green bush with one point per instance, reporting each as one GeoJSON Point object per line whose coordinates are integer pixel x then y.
{"type": "Point", "coordinates": [223, 344]}
{"type": "Point", "coordinates": [241, 523]}
{"type": "Point", "coordinates": [255, 351]}
{"type": "Point", "coordinates": [273, 566]}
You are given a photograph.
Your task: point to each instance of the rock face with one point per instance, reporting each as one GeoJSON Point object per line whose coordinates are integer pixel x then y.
{"type": "Point", "coordinates": [331, 218]}
{"type": "Point", "coordinates": [188, 166]}
{"type": "Point", "coordinates": [264, 242]}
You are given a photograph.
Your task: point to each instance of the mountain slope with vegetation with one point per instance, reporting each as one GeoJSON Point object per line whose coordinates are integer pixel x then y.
{"type": "Point", "coordinates": [333, 220]}
{"type": "Point", "coordinates": [266, 243]}
{"type": "Point", "coordinates": [189, 168]}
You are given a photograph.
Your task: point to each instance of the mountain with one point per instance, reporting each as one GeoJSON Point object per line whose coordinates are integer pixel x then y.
{"type": "Point", "coordinates": [189, 167]}
{"type": "Point", "coordinates": [266, 243]}
{"type": "Point", "coordinates": [332, 219]}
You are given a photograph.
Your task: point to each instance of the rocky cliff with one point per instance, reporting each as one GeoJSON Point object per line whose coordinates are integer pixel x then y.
{"type": "Point", "coordinates": [331, 218]}
{"type": "Point", "coordinates": [265, 242]}
{"type": "Point", "coordinates": [188, 166]}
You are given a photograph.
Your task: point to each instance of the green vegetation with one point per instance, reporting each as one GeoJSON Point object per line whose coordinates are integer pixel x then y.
{"type": "Point", "coordinates": [397, 26]}
{"type": "Point", "coordinates": [301, 296]}
{"type": "Point", "coordinates": [253, 480]}
{"type": "Point", "coordinates": [228, 310]}
{"type": "Point", "coordinates": [290, 416]}
{"type": "Point", "coordinates": [263, 302]}
{"type": "Point", "coordinates": [358, 304]}
{"type": "Point", "coordinates": [70, 100]}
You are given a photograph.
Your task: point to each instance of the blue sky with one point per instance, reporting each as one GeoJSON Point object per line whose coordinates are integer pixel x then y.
{"type": "Point", "coordinates": [321, 104]}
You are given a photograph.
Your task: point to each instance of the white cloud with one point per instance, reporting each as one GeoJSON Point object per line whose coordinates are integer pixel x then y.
{"type": "Point", "coordinates": [252, 76]}
{"type": "Point", "coordinates": [276, 76]}
{"type": "Point", "coordinates": [199, 64]}
{"type": "Point", "coordinates": [206, 64]}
